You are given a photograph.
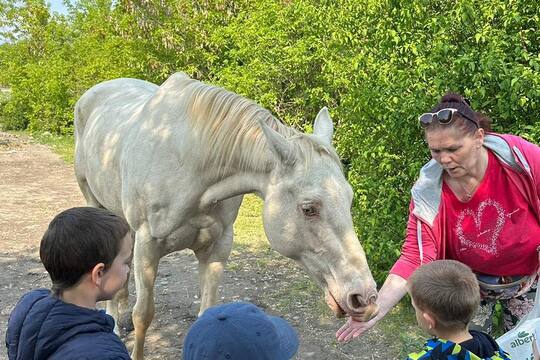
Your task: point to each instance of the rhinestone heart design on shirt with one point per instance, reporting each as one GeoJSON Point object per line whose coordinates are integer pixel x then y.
{"type": "Point", "coordinates": [468, 240]}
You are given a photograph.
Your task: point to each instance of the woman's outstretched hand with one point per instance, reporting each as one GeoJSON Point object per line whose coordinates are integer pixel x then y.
{"type": "Point", "coordinates": [393, 289]}
{"type": "Point", "coordinates": [353, 328]}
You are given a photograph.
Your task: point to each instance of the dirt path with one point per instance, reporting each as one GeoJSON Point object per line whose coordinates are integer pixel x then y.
{"type": "Point", "coordinates": [35, 185]}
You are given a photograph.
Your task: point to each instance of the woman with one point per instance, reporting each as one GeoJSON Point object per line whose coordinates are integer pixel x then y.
{"type": "Point", "coordinates": [477, 201]}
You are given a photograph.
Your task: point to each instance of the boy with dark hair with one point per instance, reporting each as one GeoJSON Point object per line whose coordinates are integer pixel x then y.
{"type": "Point", "coordinates": [445, 296]}
{"type": "Point", "coordinates": [87, 253]}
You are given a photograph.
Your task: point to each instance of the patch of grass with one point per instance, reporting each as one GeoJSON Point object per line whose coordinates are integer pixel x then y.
{"type": "Point", "coordinates": [63, 145]}
{"type": "Point", "coordinates": [400, 324]}
{"type": "Point", "coordinates": [233, 266]}
{"type": "Point", "coordinates": [248, 229]}
{"type": "Point", "coordinates": [18, 133]}
{"type": "Point", "coordinates": [262, 262]}
{"type": "Point", "coordinates": [296, 293]}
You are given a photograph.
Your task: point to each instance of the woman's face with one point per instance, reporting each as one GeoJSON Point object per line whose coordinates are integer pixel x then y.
{"type": "Point", "coordinates": [456, 151]}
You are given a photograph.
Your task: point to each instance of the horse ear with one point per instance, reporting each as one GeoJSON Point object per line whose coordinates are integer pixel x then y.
{"type": "Point", "coordinates": [279, 145]}
{"type": "Point", "coordinates": [323, 127]}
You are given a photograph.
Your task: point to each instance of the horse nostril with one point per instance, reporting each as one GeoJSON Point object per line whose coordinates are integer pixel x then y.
{"type": "Point", "coordinates": [358, 301]}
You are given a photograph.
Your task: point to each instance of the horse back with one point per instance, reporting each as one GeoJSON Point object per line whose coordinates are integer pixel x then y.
{"type": "Point", "coordinates": [110, 95]}
{"type": "Point", "coordinates": [135, 152]}
{"type": "Point", "coordinates": [101, 122]}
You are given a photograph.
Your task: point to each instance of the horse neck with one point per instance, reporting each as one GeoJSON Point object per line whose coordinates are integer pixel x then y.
{"type": "Point", "coordinates": [239, 183]}
{"type": "Point", "coordinates": [234, 151]}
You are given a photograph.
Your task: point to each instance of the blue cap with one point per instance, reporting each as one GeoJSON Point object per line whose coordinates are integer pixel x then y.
{"type": "Point", "coordinates": [238, 331]}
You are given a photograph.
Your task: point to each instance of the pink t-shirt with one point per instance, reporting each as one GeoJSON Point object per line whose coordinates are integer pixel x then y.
{"type": "Point", "coordinates": [494, 232]}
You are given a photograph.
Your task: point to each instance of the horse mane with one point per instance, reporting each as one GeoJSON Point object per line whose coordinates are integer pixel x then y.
{"type": "Point", "coordinates": [228, 130]}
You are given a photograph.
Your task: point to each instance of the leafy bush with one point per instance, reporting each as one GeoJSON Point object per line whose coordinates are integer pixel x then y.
{"type": "Point", "coordinates": [5, 95]}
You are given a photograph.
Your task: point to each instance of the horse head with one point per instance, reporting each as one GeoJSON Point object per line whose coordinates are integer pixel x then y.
{"type": "Point", "coordinates": [307, 217]}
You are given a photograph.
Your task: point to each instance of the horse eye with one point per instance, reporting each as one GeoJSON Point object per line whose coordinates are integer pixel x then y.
{"type": "Point", "coordinates": [309, 210]}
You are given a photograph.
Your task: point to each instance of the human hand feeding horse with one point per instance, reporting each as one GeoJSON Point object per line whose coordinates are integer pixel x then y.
{"type": "Point", "coordinates": [477, 201]}
{"type": "Point", "coordinates": [175, 160]}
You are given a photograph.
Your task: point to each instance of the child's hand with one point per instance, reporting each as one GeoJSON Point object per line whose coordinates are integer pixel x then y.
{"type": "Point", "coordinates": [354, 328]}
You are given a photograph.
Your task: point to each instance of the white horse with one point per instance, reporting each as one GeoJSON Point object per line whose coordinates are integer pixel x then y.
{"type": "Point", "coordinates": [175, 160]}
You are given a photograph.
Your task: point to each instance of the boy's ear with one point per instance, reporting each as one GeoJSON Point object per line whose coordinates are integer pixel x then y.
{"type": "Point", "coordinates": [431, 321]}
{"type": "Point", "coordinates": [97, 274]}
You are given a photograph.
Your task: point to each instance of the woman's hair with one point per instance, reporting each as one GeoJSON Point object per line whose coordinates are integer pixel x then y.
{"type": "Point", "coordinates": [447, 289]}
{"type": "Point", "coordinates": [78, 239]}
{"type": "Point", "coordinates": [456, 101]}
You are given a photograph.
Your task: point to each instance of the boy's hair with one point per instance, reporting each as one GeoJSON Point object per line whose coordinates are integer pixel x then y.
{"type": "Point", "coordinates": [77, 239]}
{"type": "Point", "coordinates": [449, 290]}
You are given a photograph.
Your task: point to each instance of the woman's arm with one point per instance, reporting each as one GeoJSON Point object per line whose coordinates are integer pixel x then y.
{"type": "Point", "coordinates": [393, 290]}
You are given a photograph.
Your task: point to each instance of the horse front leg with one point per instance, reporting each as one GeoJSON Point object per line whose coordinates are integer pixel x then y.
{"type": "Point", "coordinates": [118, 306]}
{"type": "Point", "coordinates": [212, 260]}
{"type": "Point", "coordinates": [146, 260]}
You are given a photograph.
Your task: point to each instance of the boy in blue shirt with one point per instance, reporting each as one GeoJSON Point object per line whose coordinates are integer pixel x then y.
{"type": "Point", "coordinates": [445, 296]}
{"type": "Point", "coordinates": [87, 253]}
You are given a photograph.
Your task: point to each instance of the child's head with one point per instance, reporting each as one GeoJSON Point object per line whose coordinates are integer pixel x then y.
{"type": "Point", "coordinates": [445, 295]}
{"type": "Point", "coordinates": [239, 331]}
{"type": "Point", "coordinates": [87, 240]}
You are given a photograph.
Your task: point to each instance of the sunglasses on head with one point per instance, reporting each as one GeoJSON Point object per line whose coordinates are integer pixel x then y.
{"type": "Point", "coordinates": [443, 116]}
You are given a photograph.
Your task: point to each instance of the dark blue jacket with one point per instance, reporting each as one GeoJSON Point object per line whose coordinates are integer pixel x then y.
{"type": "Point", "coordinates": [44, 327]}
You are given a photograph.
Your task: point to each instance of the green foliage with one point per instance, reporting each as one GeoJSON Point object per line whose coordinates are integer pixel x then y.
{"type": "Point", "coordinates": [5, 96]}
{"type": "Point", "coordinates": [375, 64]}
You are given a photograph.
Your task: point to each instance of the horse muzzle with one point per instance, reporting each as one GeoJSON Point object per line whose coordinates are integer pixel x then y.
{"type": "Point", "coordinates": [362, 308]}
